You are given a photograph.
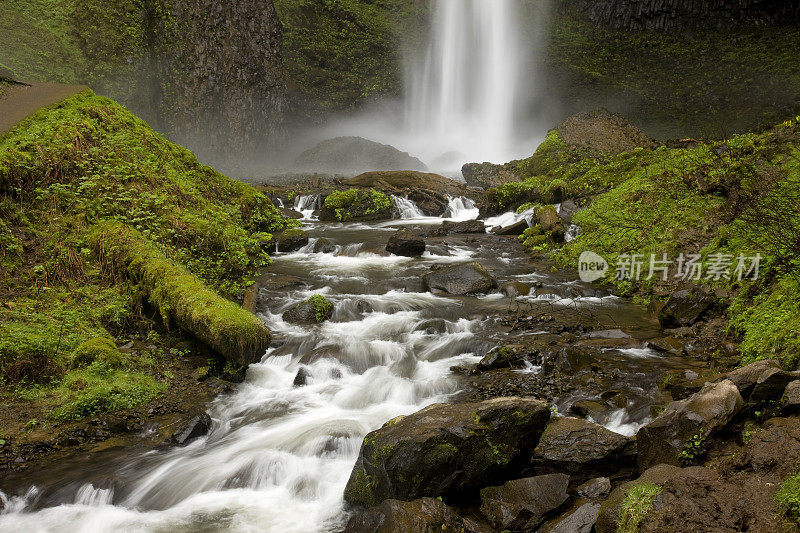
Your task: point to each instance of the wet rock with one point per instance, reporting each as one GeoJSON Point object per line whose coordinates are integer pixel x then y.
{"type": "Point", "coordinates": [523, 504]}
{"type": "Point", "coordinates": [772, 449]}
{"type": "Point", "coordinates": [312, 311]}
{"type": "Point", "coordinates": [568, 210]}
{"type": "Point", "coordinates": [791, 398]}
{"type": "Point", "coordinates": [547, 217]}
{"type": "Point", "coordinates": [432, 326]}
{"type": "Point", "coordinates": [681, 387]}
{"type": "Point", "coordinates": [277, 282]}
{"type": "Point", "coordinates": [598, 487]}
{"type": "Point", "coordinates": [509, 356]}
{"type": "Point", "coordinates": [761, 381]}
{"type": "Point", "coordinates": [301, 378]}
{"type": "Point", "coordinates": [351, 155]}
{"type": "Point", "coordinates": [406, 243]}
{"type": "Point", "coordinates": [323, 352]}
{"type": "Point", "coordinates": [446, 450]}
{"type": "Point", "coordinates": [425, 515]}
{"type": "Point", "coordinates": [580, 521]}
{"type": "Point", "coordinates": [463, 227]}
{"type": "Point", "coordinates": [669, 345]}
{"type": "Point", "coordinates": [487, 175]}
{"type": "Point", "coordinates": [582, 449]}
{"type": "Point", "coordinates": [516, 288]}
{"type": "Point", "coordinates": [324, 246]}
{"type": "Point", "coordinates": [364, 307]}
{"type": "Point", "coordinates": [468, 278]}
{"type": "Point", "coordinates": [289, 240]}
{"type": "Point", "coordinates": [290, 213]}
{"type": "Point", "coordinates": [431, 203]}
{"type": "Point", "coordinates": [684, 308]}
{"type": "Point", "coordinates": [194, 428]}
{"type": "Point", "coordinates": [586, 408]}
{"type": "Point", "coordinates": [699, 416]}
{"type": "Point", "coordinates": [513, 229]}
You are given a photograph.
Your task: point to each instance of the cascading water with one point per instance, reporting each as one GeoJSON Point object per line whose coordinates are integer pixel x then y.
{"type": "Point", "coordinates": [407, 208]}
{"type": "Point", "coordinates": [465, 89]}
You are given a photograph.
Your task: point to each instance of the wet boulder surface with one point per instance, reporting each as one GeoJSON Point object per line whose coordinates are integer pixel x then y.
{"type": "Point", "coordinates": [468, 278]}
{"type": "Point", "coordinates": [446, 450]}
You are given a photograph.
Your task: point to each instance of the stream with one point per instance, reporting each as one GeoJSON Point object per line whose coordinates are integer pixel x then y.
{"type": "Point", "coordinates": [280, 453]}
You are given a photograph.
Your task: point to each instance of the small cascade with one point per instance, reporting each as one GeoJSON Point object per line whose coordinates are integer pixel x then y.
{"type": "Point", "coordinates": [407, 208]}
{"type": "Point", "coordinates": [306, 204]}
{"type": "Point", "coordinates": [510, 217]}
{"type": "Point", "coordinates": [280, 203]}
{"type": "Point", "coordinates": [460, 208]}
{"type": "Point", "coordinates": [89, 495]}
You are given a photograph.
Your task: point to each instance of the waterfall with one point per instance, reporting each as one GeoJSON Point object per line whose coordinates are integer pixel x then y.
{"type": "Point", "coordinates": [407, 208]}
{"type": "Point", "coordinates": [465, 89]}
{"type": "Point", "coordinates": [306, 205]}
{"type": "Point", "coordinates": [460, 208]}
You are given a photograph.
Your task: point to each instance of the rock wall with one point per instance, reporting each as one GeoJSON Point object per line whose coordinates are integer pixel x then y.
{"type": "Point", "coordinates": [222, 86]}
{"type": "Point", "coordinates": [676, 15]}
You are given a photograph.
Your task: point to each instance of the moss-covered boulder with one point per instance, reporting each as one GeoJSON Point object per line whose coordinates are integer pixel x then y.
{"type": "Point", "coordinates": [180, 298]}
{"type": "Point", "coordinates": [357, 204]}
{"type": "Point", "coordinates": [446, 450]}
{"type": "Point", "coordinates": [315, 310]}
{"type": "Point", "coordinates": [100, 350]}
{"type": "Point", "coordinates": [290, 240]}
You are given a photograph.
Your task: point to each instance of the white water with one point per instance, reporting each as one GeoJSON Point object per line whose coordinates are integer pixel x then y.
{"type": "Point", "coordinates": [306, 205]}
{"type": "Point", "coordinates": [407, 208]}
{"type": "Point", "coordinates": [466, 86]}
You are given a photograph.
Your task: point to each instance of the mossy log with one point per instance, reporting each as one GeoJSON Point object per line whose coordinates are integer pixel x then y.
{"type": "Point", "coordinates": [180, 298]}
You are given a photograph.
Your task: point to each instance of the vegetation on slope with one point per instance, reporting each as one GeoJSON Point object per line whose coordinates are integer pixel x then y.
{"type": "Point", "coordinates": [108, 231]}
{"type": "Point", "coordinates": [734, 197]}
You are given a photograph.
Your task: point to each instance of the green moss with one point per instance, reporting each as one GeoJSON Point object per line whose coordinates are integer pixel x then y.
{"type": "Point", "coordinates": [323, 308]}
{"type": "Point", "coordinates": [100, 349]}
{"type": "Point", "coordinates": [637, 503]}
{"type": "Point", "coordinates": [359, 204]}
{"type": "Point", "coordinates": [361, 491]}
{"type": "Point", "coordinates": [788, 497]}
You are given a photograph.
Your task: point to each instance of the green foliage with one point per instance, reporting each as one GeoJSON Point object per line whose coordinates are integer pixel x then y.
{"type": "Point", "coordinates": [788, 497]}
{"type": "Point", "coordinates": [358, 203]}
{"type": "Point", "coordinates": [637, 503]}
{"type": "Point", "coordinates": [694, 448]}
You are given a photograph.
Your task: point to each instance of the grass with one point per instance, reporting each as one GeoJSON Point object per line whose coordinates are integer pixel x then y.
{"type": "Point", "coordinates": [788, 497]}
{"type": "Point", "coordinates": [108, 232]}
{"type": "Point", "coordinates": [637, 503]}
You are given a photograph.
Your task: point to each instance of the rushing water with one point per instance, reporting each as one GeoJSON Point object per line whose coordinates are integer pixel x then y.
{"type": "Point", "coordinates": [279, 455]}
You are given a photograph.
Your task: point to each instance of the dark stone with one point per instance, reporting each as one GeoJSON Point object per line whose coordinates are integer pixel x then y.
{"type": "Point", "coordinates": [466, 226]}
{"type": "Point", "coordinates": [406, 243]}
{"type": "Point", "coordinates": [488, 175]}
{"type": "Point", "coordinates": [514, 229]}
{"type": "Point", "coordinates": [585, 408]}
{"type": "Point", "coordinates": [195, 427]}
{"type": "Point", "coordinates": [308, 313]}
{"type": "Point", "coordinates": [509, 356]}
{"type": "Point", "coordinates": [669, 345]}
{"type": "Point", "coordinates": [583, 449]}
{"type": "Point", "coordinates": [290, 213]}
{"type": "Point", "coordinates": [761, 381]}
{"type": "Point", "coordinates": [581, 521]}
{"type": "Point", "coordinates": [523, 504]}
{"type": "Point", "coordinates": [791, 398]}
{"type": "Point", "coordinates": [425, 515]}
{"type": "Point", "coordinates": [446, 450]}
{"type": "Point", "coordinates": [702, 414]}
{"type": "Point", "coordinates": [301, 379]}
{"type": "Point", "coordinates": [287, 241]}
{"type": "Point", "coordinates": [468, 278]}
{"type": "Point", "coordinates": [686, 307]}
{"type": "Point", "coordinates": [598, 487]}
{"type": "Point", "coordinates": [324, 246]}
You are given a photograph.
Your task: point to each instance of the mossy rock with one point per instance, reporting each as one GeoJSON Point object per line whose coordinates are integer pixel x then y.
{"type": "Point", "coordinates": [357, 204]}
{"type": "Point", "coordinates": [99, 349]}
{"type": "Point", "coordinates": [315, 310]}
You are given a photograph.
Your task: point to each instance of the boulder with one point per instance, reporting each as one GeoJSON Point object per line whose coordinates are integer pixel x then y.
{"type": "Point", "coordinates": [585, 408]}
{"type": "Point", "coordinates": [761, 381]}
{"type": "Point", "coordinates": [547, 217]}
{"type": "Point", "coordinates": [683, 423]}
{"type": "Point", "coordinates": [289, 240]}
{"type": "Point", "coordinates": [446, 450]}
{"type": "Point", "coordinates": [684, 308]}
{"type": "Point", "coordinates": [301, 378]}
{"type": "Point", "coordinates": [425, 515]}
{"type": "Point", "coordinates": [290, 213]}
{"type": "Point", "coordinates": [517, 228]}
{"type": "Point", "coordinates": [598, 487]}
{"type": "Point", "coordinates": [515, 288]}
{"type": "Point", "coordinates": [523, 504]}
{"type": "Point", "coordinates": [351, 155]}
{"type": "Point", "coordinates": [583, 449]}
{"type": "Point", "coordinates": [791, 398]}
{"type": "Point", "coordinates": [604, 131]}
{"type": "Point", "coordinates": [196, 427]}
{"type": "Point", "coordinates": [312, 311]}
{"type": "Point", "coordinates": [487, 175]}
{"type": "Point", "coordinates": [669, 345]}
{"type": "Point", "coordinates": [465, 226]}
{"type": "Point", "coordinates": [509, 356]}
{"type": "Point", "coordinates": [406, 243]}
{"type": "Point", "coordinates": [468, 278]}
{"type": "Point", "coordinates": [324, 246]}
{"type": "Point", "coordinates": [580, 521]}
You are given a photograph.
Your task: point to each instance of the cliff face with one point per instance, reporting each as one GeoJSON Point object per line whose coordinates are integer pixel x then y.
{"type": "Point", "coordinates": [676, 15]}
{"type": "Point", "coordinates": [221, 77]}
